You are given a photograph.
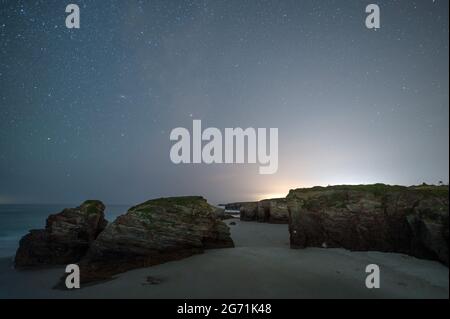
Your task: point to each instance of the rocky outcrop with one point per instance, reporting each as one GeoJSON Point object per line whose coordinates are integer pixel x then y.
{"type": "Point", "coordinates": [221, 214]}
{"type": "Point", "coordinates": [273, 211]}
{"type": "Point", "coordinates": [429, 225]}
{"type": "Point", "coordinates": [249, 211]}
{"type": "Point", "coordinates": [266, 211]}
{"type": "Point", "coordinates": [154, 232]}
{"type": "Point", "coordinates": [411, 220]}
{"type": "Point", "coordinates": [65, 239]}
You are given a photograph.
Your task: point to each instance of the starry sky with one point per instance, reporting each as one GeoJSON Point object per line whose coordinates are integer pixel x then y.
{"type": "Point", "coordinates": [87, 113]}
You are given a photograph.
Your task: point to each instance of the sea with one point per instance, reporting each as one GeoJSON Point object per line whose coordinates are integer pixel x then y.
{"type": "Point", "coordinates": [17, 220]}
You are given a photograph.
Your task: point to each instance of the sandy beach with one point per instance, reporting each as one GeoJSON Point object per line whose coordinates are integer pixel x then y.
{"type": "Point", "coordinates": [260, 266]}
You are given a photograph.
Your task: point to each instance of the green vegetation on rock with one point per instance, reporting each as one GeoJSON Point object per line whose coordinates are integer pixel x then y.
{"type": "Point", "coordinates": [377, 189]}
{"type": "Point", "coordinates": [188, 207]}
{"type": "Point", "coordinates": [92, 206]}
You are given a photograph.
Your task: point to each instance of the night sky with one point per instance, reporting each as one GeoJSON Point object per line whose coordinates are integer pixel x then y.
{"type": "Point", "coordinates": [87, 113]}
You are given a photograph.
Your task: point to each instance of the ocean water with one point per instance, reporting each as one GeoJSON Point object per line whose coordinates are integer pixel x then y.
{"type": "Point", "coordinates": [17, 220]}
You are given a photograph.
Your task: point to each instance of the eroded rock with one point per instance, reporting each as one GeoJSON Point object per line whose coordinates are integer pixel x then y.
{"type": "Point", "coordinates": [265, 211]}
{"type": "Point", "coordinates": [65, 239]}
{"type": "Point", "coordinates": [154, 232]}
{"type": "Point", "coordinates": [411, 220]}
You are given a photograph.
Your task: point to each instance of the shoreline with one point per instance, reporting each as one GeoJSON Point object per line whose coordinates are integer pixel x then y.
{"type": "Point", "coordinates": [261, 266]}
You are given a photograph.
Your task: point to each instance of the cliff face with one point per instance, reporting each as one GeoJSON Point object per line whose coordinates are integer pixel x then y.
{"type": "Point", "coordinates": [266, 211]}
{"type": "Point", "coordinates": [273, 211]}
{"type": "Point", "coordinates": [249, 211]}
{"type": "Point", "coordinates": [411, 220]}
{"type": "Point", "coordinates": [65, 239]}
{"type": "Point", "coordinates": [154, 232]}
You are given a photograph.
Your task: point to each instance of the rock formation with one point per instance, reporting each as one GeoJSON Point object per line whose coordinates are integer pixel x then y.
{"type": "Point", "coordinates": [266, 211]}
{"type": "Point", "coordinates": [249, 211]}
{"type": "Point", "coordinates": [411, 220]}
{"type": "Point", "coordinates": [154, 232]}
{"type": "Point", "coordinates": [273, 211]}
{"type": "Point", "coordinates": [222, 214]}
{"type": "Point", "coordinates": [65, 239]}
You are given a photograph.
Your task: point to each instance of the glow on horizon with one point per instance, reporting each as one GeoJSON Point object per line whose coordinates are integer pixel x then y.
{"type": "Point", "coordinates": [282, 192]}
{"type": "Point", "coordinates": [272, 195]}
